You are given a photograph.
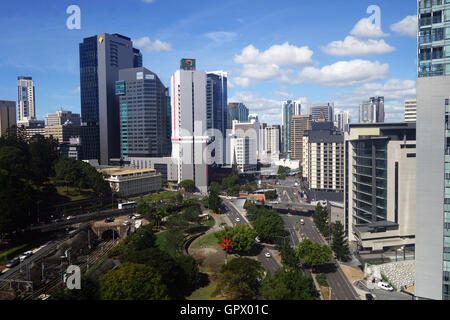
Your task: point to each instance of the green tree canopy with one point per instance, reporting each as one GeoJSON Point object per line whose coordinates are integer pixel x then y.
{"type": "Point", "coordinates": [340, 243]}
{"type": "Point", "coordinates": [313, 253]}
{"type": "Point", "coordinates": [187, 185]}
{"type": "Point", "coordinates": [288, 285]}
{"type": "Point", "coordinates": [242, 237]}
{"type": "Point", "coordinates": [132, 282]}
{"type": "Point", "coordinates": [240, 279]}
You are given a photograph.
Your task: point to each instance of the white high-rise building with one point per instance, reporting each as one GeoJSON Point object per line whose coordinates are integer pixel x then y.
{"type": "Point", "coordinates": [341, 120]}
{"type": "Point", "coordinates": [273, 139]}
{"type": "Point", "coordinates": [242, 153]}
{"type": "Point", "coordinates": [410, 110]}
{"type": "Point", "coordinates": [189, 124]}
{"type": "Point", "coordinates": [26, 109]}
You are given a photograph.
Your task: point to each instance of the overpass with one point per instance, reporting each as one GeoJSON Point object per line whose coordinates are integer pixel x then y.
{"type": "Point", "coordinates": [81, 218]}
{"type": "Point", "coordinates": [300, 208]}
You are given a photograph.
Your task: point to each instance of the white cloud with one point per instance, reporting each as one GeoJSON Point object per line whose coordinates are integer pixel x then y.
{"type": "Point", "coordinates": [260, 72]}
{"type": "Point", "coordinates": [76, 90]}
{"type": "Point", "coordinates": [366, 29]}
{"type": "Point", "coordinates": [148, 46]}
{"type": "Point", "coordinates": [344, 73]}
{"type": "Point", "coordinates": [241, 81]}
{"type": "Point", "coordinates": [221, 36]}
{"type": "Point", "coordinates": [406, 27]}
{"type": "Point", "coordinates": [352, 46]}
{"type": "Point", "coordinates": [281, 55]}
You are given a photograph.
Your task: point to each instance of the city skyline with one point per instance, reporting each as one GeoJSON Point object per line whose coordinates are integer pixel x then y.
{"type": "Point", "coordinates": [276, 65]}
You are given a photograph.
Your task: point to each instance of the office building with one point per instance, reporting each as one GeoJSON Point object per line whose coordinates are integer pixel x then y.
{"type": "Point", "coordinates": [32, 127]}
{"type": "Point", "coordinates": [342, 120]}
{"type": "Point", "coordinates": [129, 182]}
{"type": "Point", "coordinates": [249, 130]}
{"type": "Point", "coordinates": [236, 111]}
{"type": "Point", "coordinates": [323, 162]}
{"type": "Point", "coordinates": [299, 125]}
{"type": "Point", "coordinates": [320, 110]}
{"type": "Point", "coordinates": [26, 108]}
{"type": "Point", "coordinates": [7, 115]}
{"type": "Point", "coordinates": [288, 110]}
{"type": "Point", "coordinates": [372, 111]}
{"type": "Point", "coordinates": [217, 112]}
{"type": "Point", "coordinates": [189, 142]}
{"type": "Point", "coordinates": [410, 110]}
{"type": "Point", "coordinates": [380, 188]}
{"type": "Point", "coordinates": [432, 264]}
{"type": "Point", "coordinates": [101, 58]}
{"type": "Point", "coordinates": [61, 117]}
{"type": "Point", "coordinates": [143, 114]}
{"type": "Point", "coordinates": [242, 153]}
{"type": "Point", "coordinates": [273, 139]}
{"type": "Point", "coordinates": [62, 133]}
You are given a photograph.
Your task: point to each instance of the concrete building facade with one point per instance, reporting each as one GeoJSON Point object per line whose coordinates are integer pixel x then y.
{"type": "Point", "coordinates": [26, 107]}
{"type": "Point", "coordinates": [410, 110]}
{"type": "Point", "coordinates": [299, 125]}
{"type": "Point", "coordinates": [7, 115]}
{"type": "Point", "coordinates": [380, 186]}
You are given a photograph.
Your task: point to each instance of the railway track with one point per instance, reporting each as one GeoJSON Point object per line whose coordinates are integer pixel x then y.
{"type": "Point", "coordinates": [94, 257]}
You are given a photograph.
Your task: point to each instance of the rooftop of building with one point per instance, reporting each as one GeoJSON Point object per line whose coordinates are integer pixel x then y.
{"type": "Point", "coordinates": [384, 125]}
{"type": "Point", "coordinates": [123, 171]}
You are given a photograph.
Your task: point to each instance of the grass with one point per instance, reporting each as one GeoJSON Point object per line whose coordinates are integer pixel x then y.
{"type": "Point", "coordinates": [164, 195]}
{"type": "Point", "coordinates": [203, 293]}
{"type": "Point", "coordinates": [322, 280]}
{"type": "Point", "coordinates": [207, 240]}
{"type": "Point", "coordinates": [210, 223]}
{"type": "Point", "coordinates": [161, 242]}
{"type": "Point", "coordinates": [74, 194]}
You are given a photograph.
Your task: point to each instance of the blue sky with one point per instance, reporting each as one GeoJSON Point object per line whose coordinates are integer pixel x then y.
{"type": "Point", "coordinates": [315, 51]}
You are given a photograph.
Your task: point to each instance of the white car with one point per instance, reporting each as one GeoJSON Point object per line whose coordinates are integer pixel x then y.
{"type": "Point", "coordinates": [70, 217]}
{"type": "Point", "coordinates": [25, 255]}
{"type": "Point", "coordinates": [238, 219]}
{"type": "Point", "coordinates": [267, 254]}
{"type": "Point", "coordinates": [137, 216]}
{"type": "Point", "coordinates": [127, 223]}
{"type": "Point", "coordinates": [385, 286]}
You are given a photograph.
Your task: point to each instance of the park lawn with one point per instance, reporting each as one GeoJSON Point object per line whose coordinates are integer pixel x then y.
{"type": "Point", "coordinates": [74, 194]}
{"type": "Point", "coordinates": [207, 240]}
{"type": "Point", "coordinates": [210, 223]}
{"type": "Point", "coordinates": [163, 195]}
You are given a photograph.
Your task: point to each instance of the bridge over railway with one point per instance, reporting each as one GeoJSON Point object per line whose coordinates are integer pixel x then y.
{"type": "Point", "coordinates": [292, 207]}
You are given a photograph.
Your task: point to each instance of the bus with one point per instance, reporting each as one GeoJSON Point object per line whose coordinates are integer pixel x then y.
{"type": "Point", "coordinates": [127, 205]}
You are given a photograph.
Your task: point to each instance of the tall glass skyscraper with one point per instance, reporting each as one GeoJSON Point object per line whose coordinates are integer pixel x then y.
{"type": "Point", "coordinates": [288, 110]}
{"type": "Point", "coordinates": [143, 114]}
{"type": "Point", "coordinates": [101, 58]}
{"type": "Point", "coordinates": [236, 111]}
{"type": "Point", "coordinates": [432, 267]}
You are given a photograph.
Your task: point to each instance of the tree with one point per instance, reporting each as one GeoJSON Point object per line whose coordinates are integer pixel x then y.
{"type": "Point", "coordinates": [192, 278]}
{"type": "Point", "coordinates": [288, 257]}
{"type": "Point", "coordinates": [268, 224]}
{"type": "Point", "coordinates": [288, 285]}
{"type": "Point", "coordinates": [44, 153]}
{"type": "Point", "coordinates": [320, 217]}
{"type": "Point", "coordinates": [214, 201]}
{"type": "Point", "coordinates": [187, 185]}
{"type": "Point", "coordinates": [240, 279]}
{"type": "Point", "coordinates": [132, 282]}
{"type": "Point", "coordinates": [340, 243]}
{"type": "Point", "coordinates": [313, 253]}
{"type": "Point", "coordinates": [242, 237]}
{"type": "Point", "coordinates": [174, 241]}
{"type": "Point", "coordinates": [271, 195]}
{"type": "Point", "coordinates": [144, 238]}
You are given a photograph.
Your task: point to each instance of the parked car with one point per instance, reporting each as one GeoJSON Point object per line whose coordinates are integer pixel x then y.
{"type": "Point", "coordinates": [136, 216]}
{"type": "Point", "coordinates": [107, 220]}
{"type": "Point", "coordinates": [14, 262]}
{"type": "Point", "coordinates": [267, 254]}
{"type": "Point", "coordinates": [238, 219]}
{"type": "Point", "coordinates": [369, 296]}
{"type": "Point", "coordinates": [302, 222]}
{"type": "Point", "coordinates": [70, 217]}
{"type": "Point", "coordinates": [385, 286]}
{"type": "Point", "coordinates": [127, 223]}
